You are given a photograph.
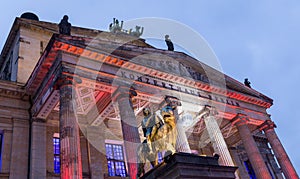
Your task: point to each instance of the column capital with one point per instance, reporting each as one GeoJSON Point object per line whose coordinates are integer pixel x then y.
{"type": "Point", "coordinates": [124, 92]}
{"type": "Point", "coordinates": [267, 125]}
{"type": "Point", "coordinates": [240, 119]}
{"type": "Point", "coordinates": [208, 111]}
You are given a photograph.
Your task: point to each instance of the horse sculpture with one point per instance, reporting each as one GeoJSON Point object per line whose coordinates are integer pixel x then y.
{"type": "Point", "coordinates": [160, 134]}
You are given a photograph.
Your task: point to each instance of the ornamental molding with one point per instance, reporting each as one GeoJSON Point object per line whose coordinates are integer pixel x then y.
{"type": "Point", "coordinates": [126, 65]}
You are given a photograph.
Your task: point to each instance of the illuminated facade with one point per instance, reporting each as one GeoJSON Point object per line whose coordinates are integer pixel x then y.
{"type": "Point", "coordinates": [65, 108]}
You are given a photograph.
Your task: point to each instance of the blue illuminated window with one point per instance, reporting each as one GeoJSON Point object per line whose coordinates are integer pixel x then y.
{"type": "Point", "coordinates": [115, 160]}
{"type": "Point", "coordinates": [249, 169]}
{"type": "Point", "coordinates": [56, 155]}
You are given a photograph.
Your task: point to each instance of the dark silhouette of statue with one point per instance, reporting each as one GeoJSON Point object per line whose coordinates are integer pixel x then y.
{"type": "Point", "coordinates": [64, 26]}
{"type": "Point", "coordinates": [169, 43]}
{"type": "Point", "coordinates": [247, 83]}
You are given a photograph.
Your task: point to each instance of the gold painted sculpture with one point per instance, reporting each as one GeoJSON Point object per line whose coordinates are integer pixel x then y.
{"type": "Point", "coordinates": [160, 136]}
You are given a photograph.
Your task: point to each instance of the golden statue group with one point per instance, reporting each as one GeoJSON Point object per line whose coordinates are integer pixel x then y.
{"type": "Point", "coordinates": [160, 132]}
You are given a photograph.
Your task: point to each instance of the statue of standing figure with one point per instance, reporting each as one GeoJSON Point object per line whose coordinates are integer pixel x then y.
{"type": "Point", "coordinates": [65, 26]}
{"type": "Point", "coordinates": [116, 27]}
{"type": "Point", "coordinates": [169, 43]}
{"type": "Point", "coordinates": [150, 124]}
{"type": "Point", "coordinates": [160, 134]}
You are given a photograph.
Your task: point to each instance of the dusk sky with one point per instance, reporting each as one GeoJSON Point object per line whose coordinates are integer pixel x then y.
{"type": "Point", "coordinates": [258, 40]}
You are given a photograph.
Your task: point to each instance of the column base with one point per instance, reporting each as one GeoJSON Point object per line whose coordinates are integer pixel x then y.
{"type": "Point", "coordinates": [185, 165]}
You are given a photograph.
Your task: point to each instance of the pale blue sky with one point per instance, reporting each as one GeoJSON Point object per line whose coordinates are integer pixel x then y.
{"type": "Point", "coordinates": [257, 39]}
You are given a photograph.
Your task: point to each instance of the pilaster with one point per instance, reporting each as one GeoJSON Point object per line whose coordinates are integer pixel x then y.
{"type": "Point", "coordinates": [96, 148]}
{"type": "Point", "coordinates": [19, 149]}
{"type": "Point", "coordinates": [6, 150]}
{"type": "Point", "coordinates": [38, 149]}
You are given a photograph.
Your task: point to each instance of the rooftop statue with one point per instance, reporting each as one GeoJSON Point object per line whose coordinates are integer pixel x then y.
{"type": "Point", "coordinates": [64, 26]}
{"type": "Point", "coordinates": [138, 31]}
{"type": "Point", "coordinates": [116, 27]}
{"type": "Point", "coordinates": [247, 83]}
{"type": "Point", "coordinates": [169, 43]}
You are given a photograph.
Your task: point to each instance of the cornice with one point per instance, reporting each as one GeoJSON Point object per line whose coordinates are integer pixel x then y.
{"type": "Point", "coordinates": [122, 63]}
{"type": "Point", "coordinates": [12, 90]}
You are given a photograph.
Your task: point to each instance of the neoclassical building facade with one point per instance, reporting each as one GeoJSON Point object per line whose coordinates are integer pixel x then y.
{"type": "Point", "coordinates": [67, 109]}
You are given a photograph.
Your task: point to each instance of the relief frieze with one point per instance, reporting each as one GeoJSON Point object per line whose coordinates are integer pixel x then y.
{"type": "Point", "coordinates": [175, 67]}
{"type": "Point", "coordinates": [176, 87]}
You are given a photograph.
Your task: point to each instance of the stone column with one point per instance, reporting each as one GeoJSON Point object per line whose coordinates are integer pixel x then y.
{"type": "Point", "coordinates": [38, 149]}
{"type": "Point", "coordinates": [278, 149]}
{"type": "Point", "coordinates": [69, 131]}
{"type": "Point", "coordinates": [182, 144]}
{"type": "Point", "coordinates": [129, 127]}
{"type": "Point", "coordinates": [255, 158]}
{"type": "Point", "coordinates": [216, 137]}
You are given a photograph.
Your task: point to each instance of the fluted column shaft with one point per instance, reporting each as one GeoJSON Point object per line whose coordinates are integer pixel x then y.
{"type": "Point", "coordinates": [255, 158]}
{"type": "Point", "coordinates": [182, 144]}
{"type": "Point", "coordinates": [216, 137]}
{"type": "Point", "coordinates": [129, 128]}
{"type": "Point", "coordinates": [278, 149]}
{"type": "Point", "coordinates": [70, 153]}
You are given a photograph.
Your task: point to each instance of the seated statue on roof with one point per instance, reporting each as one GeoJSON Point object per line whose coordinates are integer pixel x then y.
{"type": "Point", "coordinates": [138, 31]}
{"type": "Point", "coordinates": [65, 26]}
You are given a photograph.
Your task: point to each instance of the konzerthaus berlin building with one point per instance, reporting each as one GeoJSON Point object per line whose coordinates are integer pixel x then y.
{"type": "Point", "coordinates": [67, 109]}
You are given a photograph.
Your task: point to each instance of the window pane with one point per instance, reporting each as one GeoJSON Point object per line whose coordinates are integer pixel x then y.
{"type": "Point", "coordinates": [56, 145]}
{"type": "Point", "coordinates": [56, 164]}
{"type": "Point", "coordinates": [111, 168]}
{"type": "Point", "coordinates": [56, 153]}
{"type": "Point", "coordinates": [115, 160]}
{"type": "Point", "coordinates": [109, 152]}
{"type": "Point", "coordinates": [120, 169]}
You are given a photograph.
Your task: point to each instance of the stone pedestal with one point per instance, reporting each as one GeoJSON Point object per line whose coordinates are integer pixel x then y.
{"type": "Point", "coordinates": [184, 166]}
